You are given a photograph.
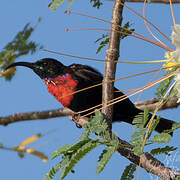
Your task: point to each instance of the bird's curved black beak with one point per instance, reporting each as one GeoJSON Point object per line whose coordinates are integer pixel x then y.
{"type": "Point", "coordinates": [26, 64]}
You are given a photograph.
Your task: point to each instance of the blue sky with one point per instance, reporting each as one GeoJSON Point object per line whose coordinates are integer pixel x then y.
{"type": "Point", "coordinates": [26, 92]}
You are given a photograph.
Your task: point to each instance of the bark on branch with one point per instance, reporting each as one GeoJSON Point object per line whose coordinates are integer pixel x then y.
{"type": "Point", "coordinates": [112, 54]}
{"type": "Point", "coordinates": [152, 104]}
{"type": "Point", "coordinates": [41, 115]}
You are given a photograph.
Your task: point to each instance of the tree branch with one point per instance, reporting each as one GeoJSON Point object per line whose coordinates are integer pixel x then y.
{"type": "Point", "coordinates": [152, 104]}
{"type": "Point", "coordinates": [112, 54]}
{"type": "Point", "coordinates": [27, 116]}
{"type": "Point", "coordinates": [35, 116]}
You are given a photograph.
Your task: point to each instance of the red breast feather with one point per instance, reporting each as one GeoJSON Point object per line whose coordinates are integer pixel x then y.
{"type": "Point", "coordinates": [62, 88]}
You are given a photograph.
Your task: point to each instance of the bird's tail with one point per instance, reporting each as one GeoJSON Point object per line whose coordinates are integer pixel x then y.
{"type": "Point", "coordinates": [128, 117]}
{"type": "Point", "coordinates": [164, 124]}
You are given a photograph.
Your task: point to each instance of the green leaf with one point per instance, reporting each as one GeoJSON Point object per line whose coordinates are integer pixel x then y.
{"type": "Point", "coordinates": [54, 4]}
{"type": "Point", "coordinates": [19, 46]}
{"type": "Point", "coordinates": [164, 150]}
{"type": "Point", "coordinates": [146, 116]}
{"type": "Point", "coordinates": [79, 144]}
{"type": "Point", "coordinates": [138, 133]}
{"type": "Point", "coordinates": [137, 146]}
{"type": "Point", "coordinates": [96, 3]}
{"type": "Point", "coordinates": [103, 43]}
{"type": "Point", "coordinates": [50, 175]}
{"type": "Point", "coordinates": [65, 160]}
{"type": "Point", "coordinates": [162, 138]}
{"type": "Point", "coordinates": [163, 86]}
{"type": "Point", "coordinates": [105, 37]}
{"type": "Point", "coordinates": [97, 124]}
{"type": "Point", "coordinates": [176, 126]}
{"type": "Point", "coordinates": [62, 150]}
{"type": "Point", "coordinates": [85, 134]}
{"type": "Point", "coordinates": [153, 125]}
{"type": "Point", "coordinates": [70, 3]}
{"type": "Point", "coordinates": [138, 121]}
{"type": "Point", "coordinates": [137, 137]}
{"type": "Point", "coordinates": [128, 173]}
{"type": "Point", "coordinates": [125, 33]}
{"type": "Point", "coordinates": [77, 156]}
{"type": "Point", "coordinates": [102, 37]}
{"type": "Point", "coordinates": [105, 157]}
{"type": "Point", "coordinates": [66, 149]}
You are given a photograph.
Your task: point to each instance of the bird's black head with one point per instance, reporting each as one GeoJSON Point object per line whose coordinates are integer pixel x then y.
{"type": "Point", "coordinates": [44, 68]}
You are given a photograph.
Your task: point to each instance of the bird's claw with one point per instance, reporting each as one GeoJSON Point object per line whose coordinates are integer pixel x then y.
{"type": "Point", "coordinates": [75, 118]}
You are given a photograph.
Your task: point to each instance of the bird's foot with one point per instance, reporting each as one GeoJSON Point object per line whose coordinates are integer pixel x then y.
{"type": "Point", "coordinates": [75, 118]}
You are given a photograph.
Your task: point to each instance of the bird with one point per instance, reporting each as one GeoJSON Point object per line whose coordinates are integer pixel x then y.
{"type": "Point", "coordinates": [62, 81]}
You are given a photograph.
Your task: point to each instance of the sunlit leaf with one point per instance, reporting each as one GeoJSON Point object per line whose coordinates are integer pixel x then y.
{"type": "Point", "coordinates": [162, 138]}
{"type": "Point", "coordinates": [76, 157]}
{"type": "Point", "coordinates": [54, 4]}
{"type": "Point", "coordinates": [105, 157]}
{"type": "Point", "coordinates": [29, 140]}
{"type": "Point", "coordinates": [19, 46]}
{"type": "Point", "coordinates": [7, 72]}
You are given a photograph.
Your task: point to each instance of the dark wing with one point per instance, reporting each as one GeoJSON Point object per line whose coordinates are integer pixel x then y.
{"type": "Point", "coordinates": [86, 72]}
{"type": "Point", "coordinates": [123, 111]}
{"type": "Point", "coordinates": [86, 77]}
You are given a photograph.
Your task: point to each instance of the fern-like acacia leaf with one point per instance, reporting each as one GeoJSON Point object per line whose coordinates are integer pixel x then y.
{"type": "Point", "coordinates": [165, 150]}
{"type": "Point", "coordinates": [106, 156]}
{"type": "Point", "coordinates": [162, 138]}
{"type": "Point", "coordinates": [77, 156]}
{"type": "Point", "coordinates": [128, 173]}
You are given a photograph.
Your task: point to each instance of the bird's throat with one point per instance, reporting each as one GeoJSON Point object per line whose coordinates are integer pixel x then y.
{"type": "Point", "coordinates": [62, 88]}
